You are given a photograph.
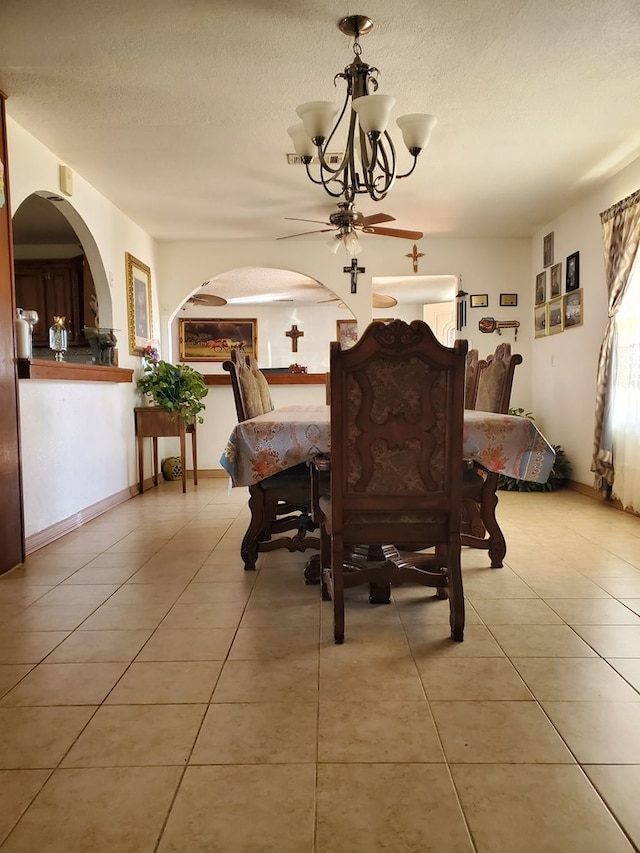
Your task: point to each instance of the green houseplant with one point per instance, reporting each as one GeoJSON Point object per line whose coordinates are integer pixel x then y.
{"type": "Point", "coordinates": [176, 388]}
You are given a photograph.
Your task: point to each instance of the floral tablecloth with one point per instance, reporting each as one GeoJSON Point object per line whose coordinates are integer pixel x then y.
{"type": "Point", "coordinates": [269, 443]}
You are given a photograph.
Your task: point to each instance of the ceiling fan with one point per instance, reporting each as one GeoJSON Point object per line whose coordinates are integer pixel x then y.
{"type": "Point", "coordinates": [347, 222]}
{"type": "Point", "coordinates": [208, 299]}
{"type": "Point", "coordinates": [378, 300]}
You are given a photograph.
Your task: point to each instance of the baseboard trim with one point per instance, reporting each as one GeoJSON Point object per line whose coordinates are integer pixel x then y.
{"type": "Point", "coordinates": [61, 528]}
{"type": "Point", "coordinates": [589, 491]}
{"type": "Point", "coordinates": [50, 534]}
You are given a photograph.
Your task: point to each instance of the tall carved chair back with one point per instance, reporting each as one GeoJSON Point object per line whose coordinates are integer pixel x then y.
{"type": "Point", "coordinates": [279, 503]}
{"type": "Point", "coordinates": [495, 380]}
{"type": "Point", "coordinates": [471, 379]}
{"type": "Point", "coordinates": [480, 528]}
{"type": "Point", "coordinates": [250, 388]}
{"type": "Point", "coordinates": [397, 402]}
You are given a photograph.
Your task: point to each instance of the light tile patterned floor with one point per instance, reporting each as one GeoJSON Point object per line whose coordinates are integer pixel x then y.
{"type": "Point", "coordinates": [156, 697]}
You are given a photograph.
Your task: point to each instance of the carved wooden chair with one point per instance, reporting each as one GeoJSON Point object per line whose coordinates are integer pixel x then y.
{"type": "Point", "coordinates": [480, 528]}
{"type": "Point", "coordinates": [471, 379]}
{"type": "Point", "coordinates": [279, 503]}
{"type": "Point", "coordinates": [397, 400]}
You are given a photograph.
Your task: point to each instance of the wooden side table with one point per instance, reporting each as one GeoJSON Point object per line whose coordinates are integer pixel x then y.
{"type": "Point", "coordinates": [154, 422]}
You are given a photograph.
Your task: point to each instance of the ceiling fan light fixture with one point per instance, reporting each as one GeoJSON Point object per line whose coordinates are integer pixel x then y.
{"type": "Point", "coordinates": [373, 112]}
{"type": "Point", "coordinates": [351, 243]}
{"type": "Point", "coordinates": [416, 129]}
{"type": "Point", "coordinates": [303, 146]}
{"type": "Point", "coordinates": [369, 168]}
{"type": "Point", "coordinates": [317, 119]}
{"type": "Point", "coordinates": [334, 243]}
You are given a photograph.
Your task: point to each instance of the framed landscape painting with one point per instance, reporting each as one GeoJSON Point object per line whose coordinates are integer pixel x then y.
{"type": "Point", "coordinates": [212, 340]}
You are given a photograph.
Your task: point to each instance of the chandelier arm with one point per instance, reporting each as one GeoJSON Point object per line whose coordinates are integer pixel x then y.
{"type": "Point", "coordinates": [311, 178]}
{"type": "Point", "coordinates": [388, 168]}
{"type": "Point", "coordinates": [333, 194]}
{"type": "Point", "coordinates": [415, 162]}
{"type": "Point", "coordinates": [325, 147]}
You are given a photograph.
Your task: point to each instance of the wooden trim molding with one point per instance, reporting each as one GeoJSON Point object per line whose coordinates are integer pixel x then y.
{"type": "Point", "coordinates": [42, 368]}
{"type": "Point", "coordinates": [273, 379]}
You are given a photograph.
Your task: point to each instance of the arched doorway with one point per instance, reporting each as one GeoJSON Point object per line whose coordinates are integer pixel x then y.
{"type": "Point", "coordinates": [58, 271]}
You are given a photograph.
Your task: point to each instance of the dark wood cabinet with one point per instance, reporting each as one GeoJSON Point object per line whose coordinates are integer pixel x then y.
{"type": "Point", "coordinates": [53, 288]}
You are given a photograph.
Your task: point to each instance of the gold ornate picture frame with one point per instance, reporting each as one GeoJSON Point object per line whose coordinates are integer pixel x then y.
{"type": "Point", "coordinates": [139, 306]}
{"type": "Point", "coordinates": [556, 316]}
{"type": "Point", "coordinates": [207, 339]}
{"type": "Point", "coordinates": [541, 320]}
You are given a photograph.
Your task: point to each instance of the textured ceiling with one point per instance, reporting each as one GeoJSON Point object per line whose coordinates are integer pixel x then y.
{"type": "Point", "coordinates": [178, 112]}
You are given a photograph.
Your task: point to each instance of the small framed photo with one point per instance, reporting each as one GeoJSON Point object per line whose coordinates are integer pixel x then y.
{"type": "Point", "coordinates": [508, 299]}
{"type": "Point", "coordinates": [479, 300]}
{"type": "Point", "coordinates": [541, 288]}
{"type": "Point", "coordinates": [573, 272]}
{"type": "Point", "coordinates": [212, 340]}
{"type": "Point", "coordinates": [573, 309]}
{"type": "Point", "coordinates": [555, 287]}
{"type": "Point", "coordinates": [547, 250]}
{"type": "Point", "coordinates": [138, 304]}
{"type": "Point", "coordinates": [556, 316]}
{"type": "Point", "coordinates": [541, 320]}
{"type": "Point", "coordinates": [347, 333]}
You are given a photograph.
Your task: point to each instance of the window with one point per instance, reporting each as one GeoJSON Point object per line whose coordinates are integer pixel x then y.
{"type": "Point", "coordinates": [626, 399]}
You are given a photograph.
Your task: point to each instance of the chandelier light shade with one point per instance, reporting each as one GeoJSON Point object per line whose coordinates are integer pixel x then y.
{"type": "Point", "coordinates": [368, 165]}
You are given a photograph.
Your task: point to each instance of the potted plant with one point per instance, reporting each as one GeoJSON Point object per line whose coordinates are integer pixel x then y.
{"type": "Point", "coordinates": [176, 388]}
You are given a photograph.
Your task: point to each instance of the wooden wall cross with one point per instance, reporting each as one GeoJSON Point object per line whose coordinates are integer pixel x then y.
{"type": "Point", "coordinates": [414, 255]}
{"type": "Point", "coordinates": [354, 269]}
{"type": "Point", "coordinates": [294, 333]}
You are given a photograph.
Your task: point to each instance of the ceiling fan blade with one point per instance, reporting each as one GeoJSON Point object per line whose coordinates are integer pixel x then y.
{"type": "Point", "coordinates": [381, 300]}
{"type": "Point", "coordinates": [207, 299]}
{"type": "Point", "coordinates": [375, 218]}
{"type": "Point", "coordinates": [333, 299]}
{"type": "Point", "coordinates": [393, 232]}
{"type": "Point", "coordinates": [378, 300]}
{"type": "Point", "coordinates": [304, 233]}
{"type": "Point", "coordinates": [296, 219]}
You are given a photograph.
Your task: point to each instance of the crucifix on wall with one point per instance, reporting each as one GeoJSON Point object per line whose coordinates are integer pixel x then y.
{"type": "Point", "coordinates": [354, 269]}
{"type": "Point", "coordinates": [414, 255]}
{"type": "Point", "coordinates": [294, 333]}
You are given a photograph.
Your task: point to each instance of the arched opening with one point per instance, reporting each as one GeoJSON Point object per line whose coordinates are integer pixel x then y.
{"type": "Point", "coordinates": [59, 272]}
{"type": "Point", "coordinates": [277, 300]}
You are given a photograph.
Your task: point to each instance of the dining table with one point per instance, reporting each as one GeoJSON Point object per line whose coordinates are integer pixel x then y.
{"type": "Point", "coordinates": [289, 435]}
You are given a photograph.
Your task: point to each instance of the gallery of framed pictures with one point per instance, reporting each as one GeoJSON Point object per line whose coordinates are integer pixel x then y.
{"type": "Point", "coordinates": [205, 339]}
{"type": "Point", "coordinates": [138, 304]}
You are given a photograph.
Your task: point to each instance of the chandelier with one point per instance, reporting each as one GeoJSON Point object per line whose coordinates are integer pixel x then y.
{"type": "Point", "coordinates": [368, 164]}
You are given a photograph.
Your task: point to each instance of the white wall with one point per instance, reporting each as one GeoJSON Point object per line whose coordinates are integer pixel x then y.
{"type": "Point", "coordinates": [77, 439]}
{"type": "Point", "coordinates": [564, 365]}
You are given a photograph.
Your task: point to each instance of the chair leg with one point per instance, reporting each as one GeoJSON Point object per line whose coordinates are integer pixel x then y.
{"type": "Point", "coordinates": [337, 591]}
{"type": "Point", "coordinates": [249, 547]}
{"type": "Point", "coordinates": [456, 595]}
{"type": "Point", "coordinates": [497, 543]}
{"type": "Point", "coordinates": [325, 563]}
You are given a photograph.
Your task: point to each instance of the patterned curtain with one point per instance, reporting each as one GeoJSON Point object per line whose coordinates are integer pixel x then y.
{"type": "Point", "coordinates": [621, 232]}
